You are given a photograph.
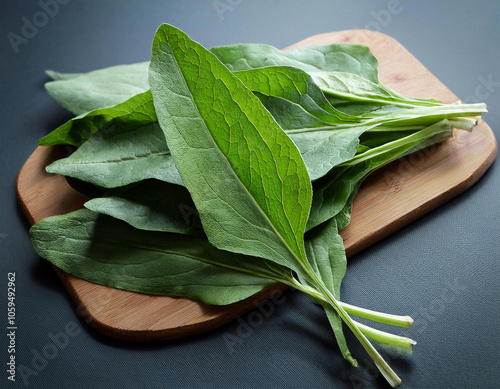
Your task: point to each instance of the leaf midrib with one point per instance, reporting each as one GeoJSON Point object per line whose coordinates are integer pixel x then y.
{"type": "Point", "coordinates": [167, 252]}
{"type": "Point", "coordinates": [163, 153]}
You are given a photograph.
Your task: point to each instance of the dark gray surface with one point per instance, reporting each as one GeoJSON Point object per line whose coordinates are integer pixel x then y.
{"type": "Point", "coordinates": [442, 269]}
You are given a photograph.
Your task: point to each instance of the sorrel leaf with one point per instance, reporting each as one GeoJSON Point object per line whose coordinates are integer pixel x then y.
{"type": "Point", "coordinates": [80, 93]}
{"type": "Point", "coordinates": [245, 175]}
{"type": "Point", "coordinates": [151, 205]}
{"type": "Point", "coordinates": [296, 86]}
{"type": "Point", "coordinates": [138, 109]}
{"type": "Point", "coordinates": [335, 57]}
{"type": "Point", "coordinates": [106, 251]}
{"type": "Point", "coordinates": [121, 153]}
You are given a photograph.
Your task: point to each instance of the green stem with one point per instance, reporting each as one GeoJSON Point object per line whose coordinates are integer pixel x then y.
{"type": "Point", "coordinates": [386, 318]}
{"type": "Point", "coordinates": [393, 98]}
{"type": "Point", "coordinates": [466, 124]}
{"type": "Point", "coordinates": [381, 364]}
{"type": "Point", "coordinates": [374, 100]}
{"type": "Point", "coordinates": [369, 332]}
{"type": "Point", "coordinates": [422, 115]}
{"type": "Point", "coordinates": [381, 317]}
{"type": "Point", "coordinates": [414, 138]}
{"type": "Point", "coordinates": [385, 337]}
{"type": "Point", "coordinates": [389, 128]}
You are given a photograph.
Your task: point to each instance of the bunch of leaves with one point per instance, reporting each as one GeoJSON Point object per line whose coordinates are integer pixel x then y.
{"type": "Point", "coordinates": [217, 173]}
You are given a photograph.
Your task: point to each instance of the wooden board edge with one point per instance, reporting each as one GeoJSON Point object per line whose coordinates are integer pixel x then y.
{"type": "Point", "coordinates": [368, 33]}
{"type": "Point", "coordinates": [19, 197]}
{"type": "Point", "coordinates": [151, 335]}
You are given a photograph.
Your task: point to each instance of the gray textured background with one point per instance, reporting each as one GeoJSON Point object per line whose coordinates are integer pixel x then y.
{"type": "Point", "coordinates": [442, 269]}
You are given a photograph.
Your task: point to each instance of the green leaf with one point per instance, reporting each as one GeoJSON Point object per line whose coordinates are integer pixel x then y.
{"type": "Point", "coordinates": [109, 252]}
{"type": "Point", "coordinates": [333, 58]}
{"type": "Point", "coordinates": [80, 93]}
{"type": "Point", "coordinates": [343, 218]}
{"type": "Point", "coordinates": [343, 87]}
{"type": "Point", "coordinates": [322, 145]}
{"type": "Point", "coordinates": [326, 254]}
{"type": "Point", "coordinates": [245, 175]}
{"type": "Point", "coordinates": [151, 205]}
{"type": "Point", "coordinates": [121, 153]}
{"type": "Point", "coordinates": [325, 148]}
{"type": "Point", "coordinates": [139, 109]}
{"type": "Point", "coordinates": [291, 117]}
{"type": "Point", "coordinates": [296, 86]}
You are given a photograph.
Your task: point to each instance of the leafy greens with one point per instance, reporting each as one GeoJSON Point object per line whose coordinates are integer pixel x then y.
{"type": "Point", "coordinates": [209, 166]}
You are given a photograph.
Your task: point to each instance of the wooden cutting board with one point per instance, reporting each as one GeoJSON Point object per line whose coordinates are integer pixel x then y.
{"type": "Point", "coordinates": [391, 198]}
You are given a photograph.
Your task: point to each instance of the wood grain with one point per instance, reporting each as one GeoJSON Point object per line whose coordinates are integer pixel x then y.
{"type": "Point", "coordinates": [391, 198]}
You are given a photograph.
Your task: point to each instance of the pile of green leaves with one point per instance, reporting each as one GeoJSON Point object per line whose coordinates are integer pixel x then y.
{"type": "Point", "coordinates": [216, 173]}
